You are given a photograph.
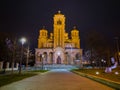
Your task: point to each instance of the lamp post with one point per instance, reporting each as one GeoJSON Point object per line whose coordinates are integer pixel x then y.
{"type": "Point", "coordinates": [22, 40]}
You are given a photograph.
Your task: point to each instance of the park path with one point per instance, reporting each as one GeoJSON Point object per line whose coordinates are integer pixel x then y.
{"type": "Point", "coordinates": [56, 80]}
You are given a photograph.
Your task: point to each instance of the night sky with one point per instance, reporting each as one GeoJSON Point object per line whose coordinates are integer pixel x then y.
{"type": "Point", "coordinates": [26, 17]}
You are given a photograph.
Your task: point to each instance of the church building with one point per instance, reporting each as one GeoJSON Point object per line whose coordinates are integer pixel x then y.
{"type": "Point", "coordinates": [57, 47]}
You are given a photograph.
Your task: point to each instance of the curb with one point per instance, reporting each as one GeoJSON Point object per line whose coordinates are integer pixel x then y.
{"type": "Point", "coordinates": [115, 85]}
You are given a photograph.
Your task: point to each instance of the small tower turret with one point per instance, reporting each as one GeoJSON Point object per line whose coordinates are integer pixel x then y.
{"type": "Point", "coordinates": [43, 36]}
{"type": "Point", "coordinates": [75, 37]}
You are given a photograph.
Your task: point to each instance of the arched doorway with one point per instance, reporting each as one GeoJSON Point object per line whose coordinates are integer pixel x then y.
{"type": "Point", "coordinates": [58, 60]}
{"type": "Point", "coordinates": [45, 57]}
{"type": "Point", "coordinates": [59, 55]}
{"type": "Point", "coordinates": [66, 58]}
{"type": "Point", "coordinates": [51, 57]}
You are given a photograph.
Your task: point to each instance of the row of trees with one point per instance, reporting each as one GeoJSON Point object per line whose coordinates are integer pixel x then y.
{"type": "Point", "coordinates": [10, 50]}
{"type": "Point", "coordinates": [99, 48]}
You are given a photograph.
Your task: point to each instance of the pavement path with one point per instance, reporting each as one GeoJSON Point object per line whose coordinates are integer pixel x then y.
{"type": "Point", "coordinates": [56, 80]}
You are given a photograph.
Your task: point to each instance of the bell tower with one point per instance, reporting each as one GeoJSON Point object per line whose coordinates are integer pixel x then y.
{"type": "Point", "coordinates": [75, 37]}
{"type": "Point", "coordinates": [43, 36]}
{"type": "Point", "coordinates": [59, 29]}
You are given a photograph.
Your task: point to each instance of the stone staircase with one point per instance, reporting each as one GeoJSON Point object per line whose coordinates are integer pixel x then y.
{"type": "Point", "coordinates": [56, 67]}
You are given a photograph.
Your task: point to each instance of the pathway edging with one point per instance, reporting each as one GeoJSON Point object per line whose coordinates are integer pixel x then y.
{"type": "Point", "coordinates": [109, 83]}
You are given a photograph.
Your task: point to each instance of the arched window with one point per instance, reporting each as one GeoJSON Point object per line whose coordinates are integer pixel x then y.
{"type": "Point", "coordinates": [59, 22]}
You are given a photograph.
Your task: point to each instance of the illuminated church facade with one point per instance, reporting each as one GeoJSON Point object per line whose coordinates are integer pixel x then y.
{"type": "Point", "coordinates": [57, 47]}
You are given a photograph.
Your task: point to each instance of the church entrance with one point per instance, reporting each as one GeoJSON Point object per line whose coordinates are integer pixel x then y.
{"type": "Point", "coordinates": [59, 55]}
{"type": "Point", "coordinates": [59, 60]}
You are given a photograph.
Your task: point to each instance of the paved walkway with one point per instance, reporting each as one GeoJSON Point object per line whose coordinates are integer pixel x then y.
{"type": "Point", "coordinates": [56, 80]}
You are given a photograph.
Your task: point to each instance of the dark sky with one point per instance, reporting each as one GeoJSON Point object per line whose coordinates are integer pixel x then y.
{"type": "Point", "coordinates": [26, 17]}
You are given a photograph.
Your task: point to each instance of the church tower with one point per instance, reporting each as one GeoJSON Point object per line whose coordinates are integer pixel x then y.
{"type": "Point", "coordinates": [42, 40]}
{"type": "Point", "coordinates": [59, 29]}
{"type": "Point", "coordinates": [75, 37]}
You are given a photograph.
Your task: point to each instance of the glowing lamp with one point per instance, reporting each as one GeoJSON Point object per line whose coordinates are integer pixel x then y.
{"type": "Point", "coordinates": [43, 56]}
{"type": "Point", "coordinates": [119, 53]}
{"type": "Point", "coordinates": [116, 73]}
{"type": "Point", "coordinates": [97, 73]}
{"type": "Point", "coordinates": [58, 53]}
{"type": "Point", "coordinates": [22, 40]}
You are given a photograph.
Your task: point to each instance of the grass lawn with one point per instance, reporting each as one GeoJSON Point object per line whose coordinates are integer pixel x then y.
{"type": "Point", "coordinates": [9, 78]}
{"type": "Point", "coordinates": [42, 71]}
{"type": "Point", "coordinates": [111, 76]}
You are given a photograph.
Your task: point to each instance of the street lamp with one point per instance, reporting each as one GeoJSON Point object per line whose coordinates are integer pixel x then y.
{"type": "Point", "coordinates": [22, 40]}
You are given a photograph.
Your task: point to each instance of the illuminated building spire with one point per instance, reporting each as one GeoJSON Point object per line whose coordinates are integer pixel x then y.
{"type": "Point", "coordinates": [59, 12]}
{"type": "Point", "coordinates": [74, 27]}
{"type": "Point", "coordinates": [43, 27]}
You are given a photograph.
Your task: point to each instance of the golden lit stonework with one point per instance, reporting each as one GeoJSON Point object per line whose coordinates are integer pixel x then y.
{"type": "Point", "coordinates": [58, 47]}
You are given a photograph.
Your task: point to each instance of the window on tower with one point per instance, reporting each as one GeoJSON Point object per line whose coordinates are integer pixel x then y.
{"type": "Point", "coordinates": [59, 22]}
